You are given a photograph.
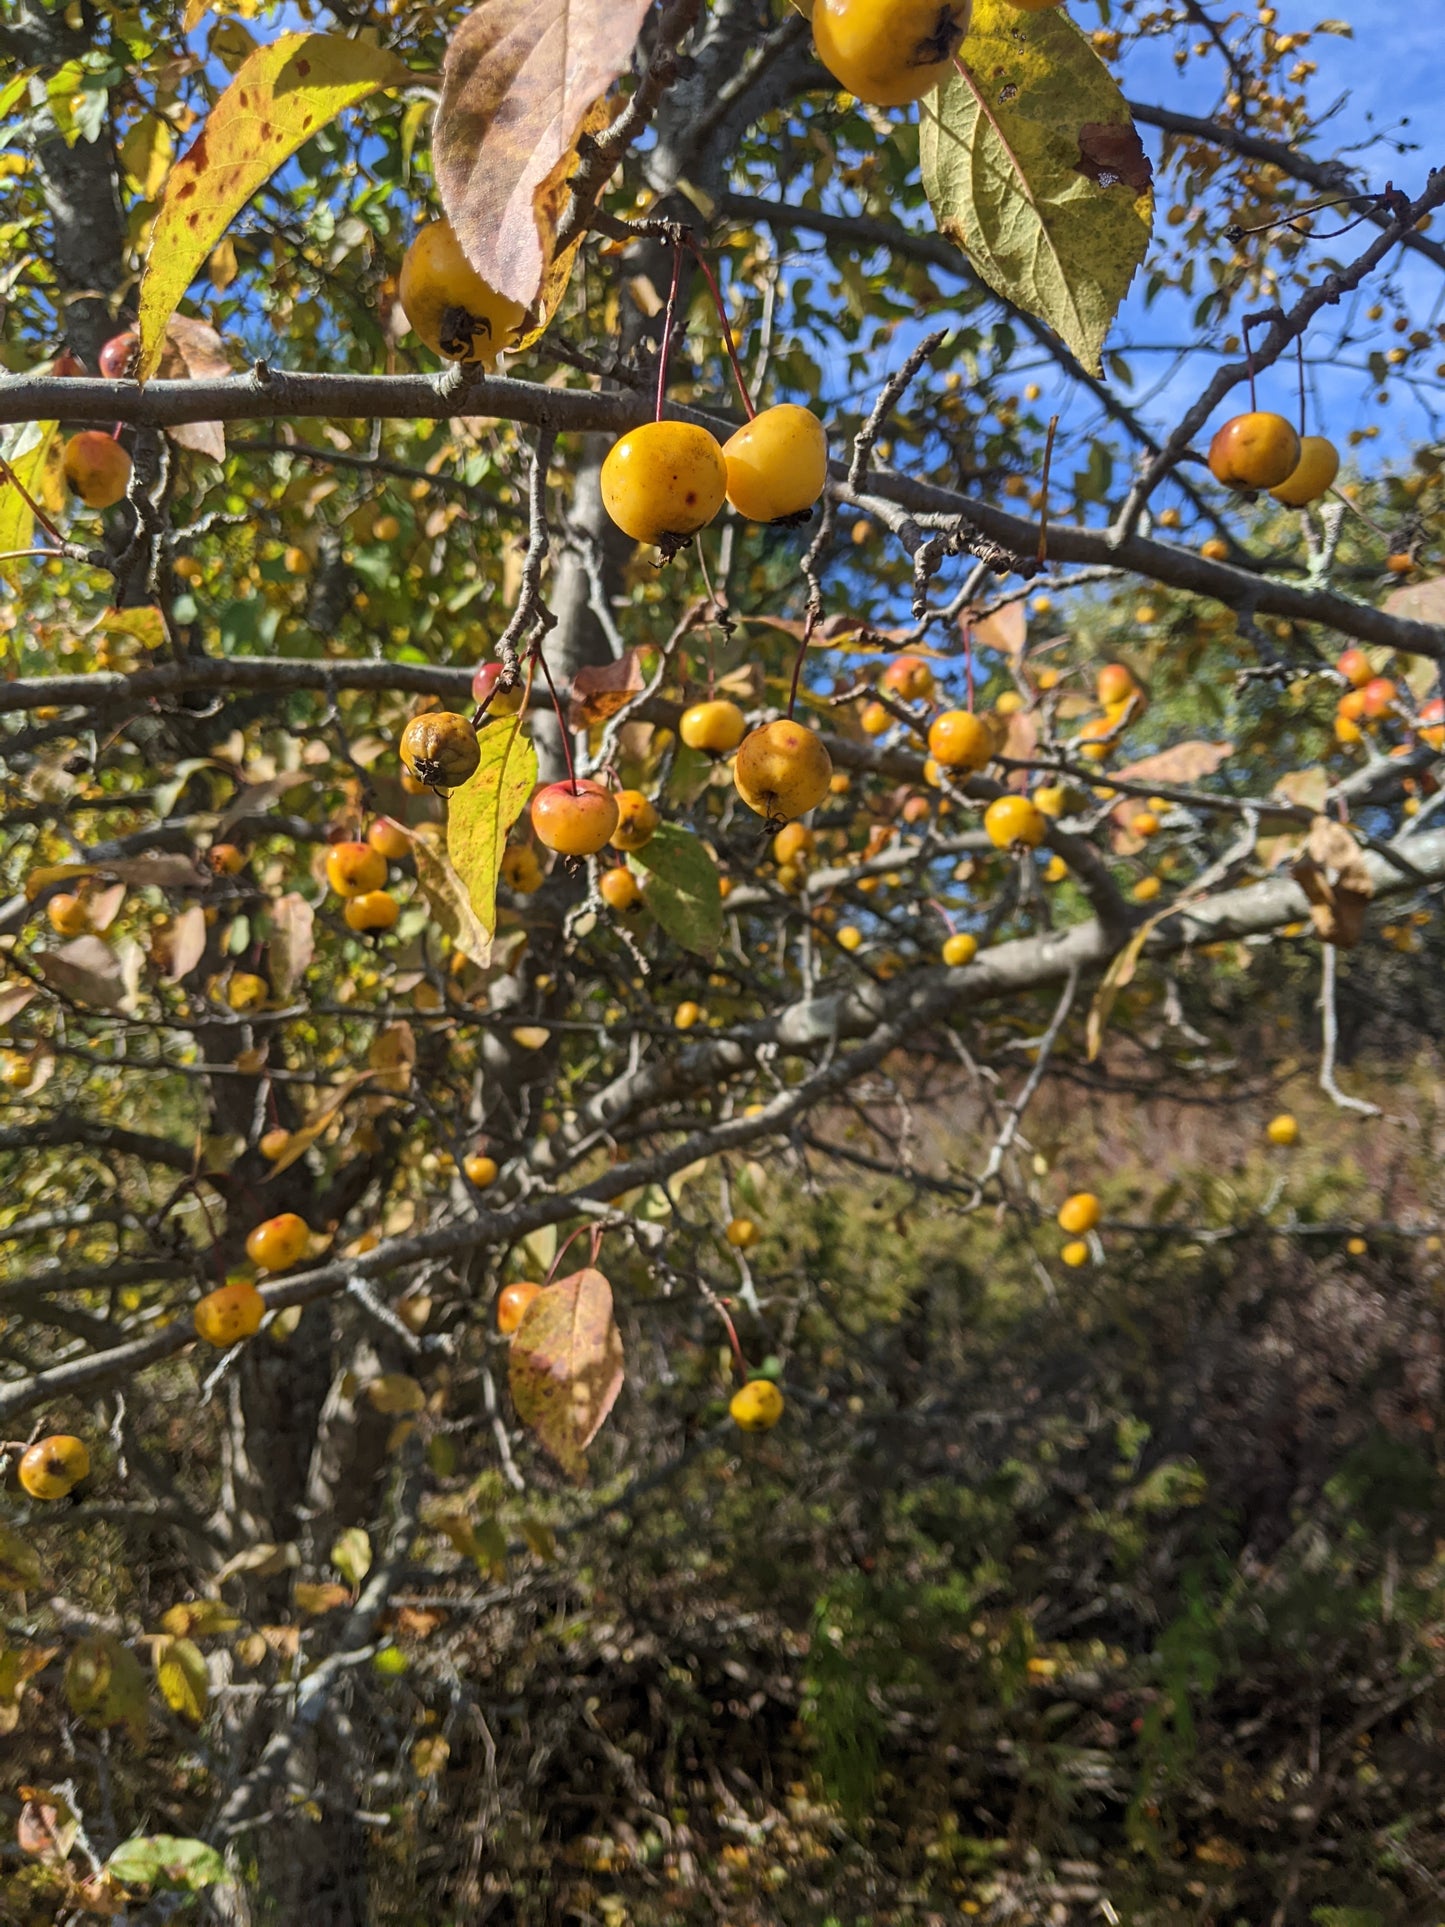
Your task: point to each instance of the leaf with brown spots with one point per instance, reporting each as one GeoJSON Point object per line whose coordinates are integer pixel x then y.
{"type": "Point", "coordinates": [565, 1366]}
{"type": "Point", "coordinates": [280, 97]}
{"type": "Point", "coordinates": [519, 80]}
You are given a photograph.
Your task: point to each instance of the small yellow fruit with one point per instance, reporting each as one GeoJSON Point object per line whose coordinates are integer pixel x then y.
{"type": "Point", "coordinates": [373, 910]}
{"type": "Point", "coordinates": [782, 770]}
{"type": "Point", "coordinates": [1282, 1130]}
{"type": "Point", "coordinates": [52, 1467]}
{"type": "Point", "coordinates": [512, 1305]}
{"type": "Point", "coordinates": [97, 468]}
{"type": "Point", "coordinates": [874, 719]}
{"type": "Point", "coordinates": [481, 1171]}
{"type": "Point", "coordinates": [715, 727]}
{"type": "Point", "coordinates": [686, 1015]}
{"type": "Point", "coordinates": [960, 949]}
{"type": "Point", "coordinates": [1080, 1213]}
{"type": "Point", "coordinates": [849, 936]}
{"type": "Point", "coordinates": [637, 820]}
{"type": "Point", "coordinates": [230, 1313]}
{"type": "Point", "coordinates": [355, 869]}
{"type": "Point", "coordinates": [743, 1234]}
{"type": "Point", "coordinates": [889, 52]}
{"type": "Point", "coordinates": [275, 1144]}
{"type": "Point", "coordinates": [1075, 1253]}
{"type": "Point", "coordinates": [448, 303]}
{"type": "Point", "coordinates": [1254, 451]}
{"type": "Point", "coordinates": [68, 915]}
{"type": "Point", "coordinates": [664, 481]}
{"type": "Point", "coordinates": [278, 1242]}
{"type": "Point", "coordinates": [756, 1406]}
{"type": "Point", "coordinates": [1312, 476]}
{"type": "Point", "coordinates": [958, 739]}
{"type": "Point", "coordinates": [1146, 889]}
{"type": "Point", "coordinates": [777, 465]}
{"type": "Point", "coordinates": [620, 889]}
{"type": "Point", "coordinates": [440, 750]}
{"type": "Point", "coordinates": [247, 991]}
{"type": "Point", "coordinates": [1014, 819]}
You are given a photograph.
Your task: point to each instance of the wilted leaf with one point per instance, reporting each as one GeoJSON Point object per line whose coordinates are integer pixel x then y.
{"type": "Point", "coordinates": [254, 801]}
{"type": "Point", "coordinates": [549, 204]}
{"type": "Point", "coordinates": [396, 1394]}
{"type": "Point", "coordinates": [600, 690]}
{"type": "Point", "coordinates": [88, 971]}
{"type": "Point", "coordinates": [1117, 977]}
{"type": "Point", "coordinates": [1419, 601]}
{"type": "Point", "coordinates": [17, 1665]}
{"type": "Point", "coordinates": [161, 872]}
{"type": "Point", "coordinates": [46, 1829]}
{"type": "Point", "coordinates": [163, 1860]}
{"type": "Point", "coordinates": [681, 888]}
{"type": "Point", "coordinates": [1010, 149]}
{"type": "Point", "coordinates": [263, 1560]}
{"type": "Point", "coordinates": [351, 1554]}
{"type": "Point", "coordinates": [26, 450]}
{"type": "Point", "coordinates": [1184, 763]}
{"type": "Point", "coordinates": [302, 1139]}
{"type": "Point", "coordinates": [482, 811]}
{"type": "Point", "coordinates": [180, 1668]}
{"type": "Point", "coordinates": [13, 999]}
{"type": "Point", "coordinates": [1306, 787]}
{"type": "Point", "coordinates": [20, 1568]}
{"type": "Point", "coordinates": [280, 97]}
{"type": "Point", "coordinates": [446, 894]}
{"type": "Point", "coordinates": [106, 1684]}
{"type": "Point", "coordinates": [292, 943]}
{"type": "Point", "coordinates": [1334, 875]}
{"type": "Point", "coordinates": [187, 943]}
{"type": "Point", "coordinates": [1006, 630]}
{"type": "Point", "coordinates": [322, 1598]}
{"type": "Point", "coordinates": [520, 77]}
{"type": "Point", "coordinates": [565, 1366]}
{"type": "Point", "coordinates": [199, 1617]}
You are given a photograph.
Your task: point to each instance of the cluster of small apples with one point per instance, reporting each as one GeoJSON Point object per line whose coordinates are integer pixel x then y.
{"type": "Point", "coordinates": [664, 481]}
{"type": "Point", "coordinates": [893, 52]}
{"type": "Point", "coordinates": [1371, 701]}
{"type": "Point", "coordinates": [235, 1310]}
{"type": "Point", "coordinates": [357, 872]}
{"type": "Point", "coordinates": [1079, 1216]}
{"type": "Point", "coordinates": [1261, 450]}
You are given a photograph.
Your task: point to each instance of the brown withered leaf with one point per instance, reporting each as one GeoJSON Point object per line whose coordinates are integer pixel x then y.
{"type": "Point", "coordinates": [1006, 630]}
{"type": "Point", "coordinates": [1184, 763]}
{"type": "Point", "coordinates": [87, 970]}
{"type": "Point", "coordinates": [186, 943]}
{"type": "Point", "coordinates": [599, 691]}
{"type": "Point", "coordinates": [292, 942]}
{"type": "Point", "coordinates": [195, 352]}
{"type": "Point", "coordinates": [565, 1368]}
{"type": "Point", "coordinates": [519, 79]}
{"type": "Point", "coordinates": [550, 203]}
{"type": "Point", "coordinates": [1333, 873]}
{"type": "Point", "coordinates": [1111, 153]}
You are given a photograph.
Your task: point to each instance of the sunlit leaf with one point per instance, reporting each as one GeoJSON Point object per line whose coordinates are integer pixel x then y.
{"type": "Point", "coordinates": [483, 810]}
{"type": "Point", "coordinates": [565, 1366]}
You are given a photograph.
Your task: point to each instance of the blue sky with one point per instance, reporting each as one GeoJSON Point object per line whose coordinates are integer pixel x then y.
{"type": "Point", "coordinates": [1386, 82]}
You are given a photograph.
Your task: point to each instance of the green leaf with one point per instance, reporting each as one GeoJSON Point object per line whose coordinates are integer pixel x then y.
{"type": "Point", "coordinates": [26, 451]}
{"type": "Point", "coordinates": [163, 1860]}
{"type": "Point", "coordinates": [482, 811]}
{"type": "Point", "coordinates": [565, 1367]}
{"type": "Point", "coordinates": [681, 888]}
{"type": "Point", "coordinates": [280, 97]}
{"type": "Point", "coordinates": [181, 1675]}
{"type": "Point", "coordinates": [351, 1555]}
{"type": "Point", "coordinates": [1032, 164]}
{"type": "Point", "coordinates": [447, 895]}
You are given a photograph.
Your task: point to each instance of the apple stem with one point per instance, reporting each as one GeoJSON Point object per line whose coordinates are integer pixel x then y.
{"type": "Point", "coordinates": [799, 660]}
{"type": "Point", "coordinates": [669, 322]}
{"type": "Point", "coordinates": [1043, 551]}
{"type": "Point", "coordinates": [541, 661]}
{"type": "Point", "coordinates": [727, 1318]}
{"type": "Point", "coordinates": [727, 333]}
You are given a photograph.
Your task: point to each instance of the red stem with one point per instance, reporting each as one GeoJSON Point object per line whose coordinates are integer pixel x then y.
{"type": "Point", "coordinates": [669, 322]}
{"type": "Point", "coordinates": [798, 662]}
{"type": "Point", "coordinates": [727, 1318]}
{"type": "Point", "coordinates": [561, 722]}
{"type": "Point", "coordinates": [722, 315]}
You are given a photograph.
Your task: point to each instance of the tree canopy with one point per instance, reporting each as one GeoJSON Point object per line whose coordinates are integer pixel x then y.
{"type": "Point", "coordinates": [722, 975]}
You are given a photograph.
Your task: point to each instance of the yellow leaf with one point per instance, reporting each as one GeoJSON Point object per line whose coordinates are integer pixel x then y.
{"type": "Point", "coordinates": [351, 1554]}
{"type": "Point", "coordinates": [1117, 977]}
{"type": "Point", "coordinates": [482, 811]}
{"type": "Point", "coordinates": [1032, 164]}
{"type": "Point", "coordinates": [181, 1675]}
{"type": "Point", "coordinates": [279, 98]}
{"type": "Point", "coordinates": [146, 155]}
{"type": "Point", "coordinates": [447, 895]}
{"type": "Point", "coordinates": [222, 265]}
{"type": "Point", "coordinates": [430, 1755]}
{"type": "Point", "coordinates": [25, 451]}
